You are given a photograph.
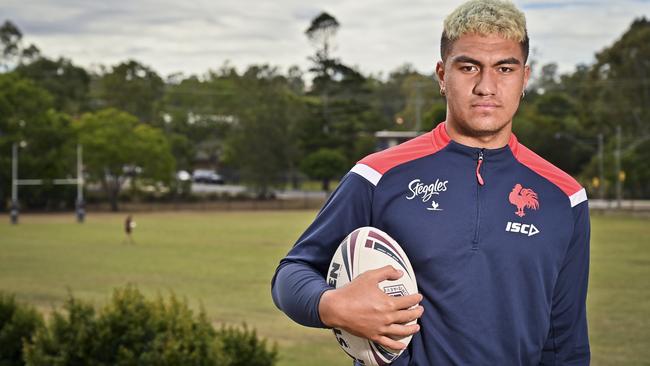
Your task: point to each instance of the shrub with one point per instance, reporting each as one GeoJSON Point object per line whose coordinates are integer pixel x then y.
{"type": "Point", "coordinates": [69, 340]}
{"type": "Point", "coordinates": [242, 347]}
{"type": "Point", "coordinates": [18, 323]}
{"type": "Point", "coordinates": [132, 330]}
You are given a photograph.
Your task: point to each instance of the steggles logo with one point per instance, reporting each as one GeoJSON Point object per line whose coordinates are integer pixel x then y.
{"type": "Point", "coordinates": [427, 191]}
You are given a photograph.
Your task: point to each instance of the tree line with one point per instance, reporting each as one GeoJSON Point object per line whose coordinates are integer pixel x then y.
{"type": "Point", "coordinates": [271, 128]}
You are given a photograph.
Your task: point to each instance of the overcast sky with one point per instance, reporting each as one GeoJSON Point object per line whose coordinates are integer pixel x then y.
{"type": "Point", "coordinates": [192, 36]}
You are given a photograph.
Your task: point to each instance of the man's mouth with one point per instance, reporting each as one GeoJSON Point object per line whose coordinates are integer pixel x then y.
{"type": "Point", "coordinates": [486, 106]}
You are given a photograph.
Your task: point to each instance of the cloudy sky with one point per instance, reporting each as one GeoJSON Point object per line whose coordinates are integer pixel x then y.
{"type": "Point", "coordinates": [193, 36]}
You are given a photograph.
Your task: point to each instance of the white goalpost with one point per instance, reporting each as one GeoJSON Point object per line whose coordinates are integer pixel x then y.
{"type": "Point", "coordinates": [15, 183]}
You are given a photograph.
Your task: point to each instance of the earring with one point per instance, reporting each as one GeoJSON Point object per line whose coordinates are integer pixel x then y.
{"type": "Point", "coordinates": [523, 93]}
{"type": "Point", "coordinates": [443, 92]}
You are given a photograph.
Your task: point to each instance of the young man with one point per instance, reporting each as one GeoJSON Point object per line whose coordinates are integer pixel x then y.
{"type": "Point", "coordinates": [497, 236]}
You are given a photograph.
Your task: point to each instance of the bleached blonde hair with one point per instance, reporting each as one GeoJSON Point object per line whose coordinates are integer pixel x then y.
{"type": "Point", "coordinates": [485, 17]}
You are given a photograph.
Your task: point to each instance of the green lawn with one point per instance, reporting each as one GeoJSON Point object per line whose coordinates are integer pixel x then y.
{"type": "Point", "coordinates": [225, 261]}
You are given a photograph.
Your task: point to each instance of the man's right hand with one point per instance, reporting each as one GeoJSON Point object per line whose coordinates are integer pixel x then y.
{"type": "Point", "coordinates": [364, 310]}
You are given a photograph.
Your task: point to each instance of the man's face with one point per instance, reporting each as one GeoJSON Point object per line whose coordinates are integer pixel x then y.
{"type": "Point", "coordinates": [484, 77]}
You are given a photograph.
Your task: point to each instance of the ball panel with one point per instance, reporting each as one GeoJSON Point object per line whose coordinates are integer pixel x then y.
{"type": "Point", "coordinates": [382, 355]}
{"type": "Point", "coordinates": [354, 253]}
{"type": "Point", "coordinates": [338, 274]}
{"type": "Point", "coordinates": [347, 264]}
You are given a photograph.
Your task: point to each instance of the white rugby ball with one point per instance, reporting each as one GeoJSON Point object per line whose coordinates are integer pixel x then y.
{"type": "Point", "coordinates": [365, 249]}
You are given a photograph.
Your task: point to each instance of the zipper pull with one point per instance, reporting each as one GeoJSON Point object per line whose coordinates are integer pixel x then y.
{"type": "Point", "coordinates": [478, 168]}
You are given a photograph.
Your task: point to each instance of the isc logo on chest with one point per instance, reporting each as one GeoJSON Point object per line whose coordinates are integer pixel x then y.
{"type": "Point", "coordinates": [526, 229]}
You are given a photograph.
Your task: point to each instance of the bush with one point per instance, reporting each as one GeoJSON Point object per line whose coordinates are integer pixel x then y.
{"type": "Point", "coordinates": [132, 330]}
{"type": "Point", "coordinates": [241, 347]}
{"type": "Point", "coordinates": [69, 340]}
{"type": "Point", "coordinates": [18, 323]}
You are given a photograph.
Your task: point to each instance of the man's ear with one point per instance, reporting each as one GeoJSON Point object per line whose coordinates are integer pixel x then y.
{"type": "Point", "coordinates": [526, 76]}
{"type": "Point", "coordinates": [440, 73]}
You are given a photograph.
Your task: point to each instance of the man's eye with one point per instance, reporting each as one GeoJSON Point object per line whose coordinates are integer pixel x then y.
{"type": "Point", "coordinates": [506, 70]}
{"type": "Point", "coordinates": [468, 68]}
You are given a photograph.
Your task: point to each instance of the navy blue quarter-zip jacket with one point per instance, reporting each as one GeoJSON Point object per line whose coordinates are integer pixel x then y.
{"type": "Point", "coordinates": [498, 240]}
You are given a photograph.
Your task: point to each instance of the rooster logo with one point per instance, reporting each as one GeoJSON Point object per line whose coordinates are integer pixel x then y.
{"type": "Point", "coordinates": [523, 198]}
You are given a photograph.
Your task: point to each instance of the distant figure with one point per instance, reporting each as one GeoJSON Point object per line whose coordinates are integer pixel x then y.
{"type": "Point", "coordinates": [129, 225]}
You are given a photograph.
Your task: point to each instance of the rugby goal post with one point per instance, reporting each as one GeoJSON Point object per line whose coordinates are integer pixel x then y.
{"type": "Point", "coordinates": [15, 183]}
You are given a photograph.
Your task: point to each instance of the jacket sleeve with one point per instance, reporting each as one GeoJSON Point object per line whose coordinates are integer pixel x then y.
{"type": "Point", "coordinates": [568, 341]}
{"type": "Point", "coordinates": [299, 279]}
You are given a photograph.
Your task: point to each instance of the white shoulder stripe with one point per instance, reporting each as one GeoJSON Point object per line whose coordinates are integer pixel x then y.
{"type": "Point", "coordinates": [367, 172]}
{"type": "Point", "coordinates": [578, 197]}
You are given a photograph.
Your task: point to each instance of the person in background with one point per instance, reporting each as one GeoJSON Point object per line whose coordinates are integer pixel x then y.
{"type": "Point", "coordinates": [129, 225]}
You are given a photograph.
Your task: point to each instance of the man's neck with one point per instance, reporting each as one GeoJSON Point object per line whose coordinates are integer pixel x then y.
{"type": "Point", "coordinates": [488, 141]}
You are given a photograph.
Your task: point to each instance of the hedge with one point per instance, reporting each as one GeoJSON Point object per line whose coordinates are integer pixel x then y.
{"type": "Point", "coordinates": [129, 330]}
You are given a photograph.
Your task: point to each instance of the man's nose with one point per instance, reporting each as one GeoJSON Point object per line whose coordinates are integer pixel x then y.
{"type": "Point", "coordinates": [486, 84]}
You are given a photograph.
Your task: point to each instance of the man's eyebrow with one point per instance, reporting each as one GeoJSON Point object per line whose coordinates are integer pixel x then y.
{"type": "Point", "coordinates": [508, 61]}
{"type": "Point", "coordinates": [467, 59]}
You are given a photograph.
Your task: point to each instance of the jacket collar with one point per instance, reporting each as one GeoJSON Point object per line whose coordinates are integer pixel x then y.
{"type": "Point", "coordinates": [441, 139]}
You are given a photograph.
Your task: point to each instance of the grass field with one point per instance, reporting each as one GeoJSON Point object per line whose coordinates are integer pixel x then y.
{"type": "Point", "coordinates": [225, 261]}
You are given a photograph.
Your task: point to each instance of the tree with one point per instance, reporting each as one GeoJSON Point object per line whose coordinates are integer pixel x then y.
{"type": "Point", "coordinates": [295, 80]}
{"type": "Point", "coordinates": [548, 121]}
{"type": "Point", "coordinates": [10, 36]}
{"type": "Point", "coordinates": [321, 32]}
{"type": "Point", "coordinates": [341, 105]}
{"type": "Point", "coordinates": [67, 83]}
{"type": "Point", "coordinates": [622, 74]}
{"type": "Point", "coordinates": [389, 94]}
{"type": "Point", "coordinates": [615, 91]}
{"type": "Point", "coordinates": [13, 51]}
{"type": "Point", "coordinates": [47, 139]}
{"type": "Point", "coordinates": [263, 141]}
{"type": "Point", "coordinates": [422, 102]}
{"type": "Point", "coordinates": [549, 125]}
{"type": "Point", "coordinates": [132, 87]}
{"type": "Point", "coordinates": [324, 165]}
{"type": "Point", "coordinates": [331, 76]}
{"type": "Point", "coordinates": [116, 146]}
{"type": "Point", "coordinates": [196, 114]}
